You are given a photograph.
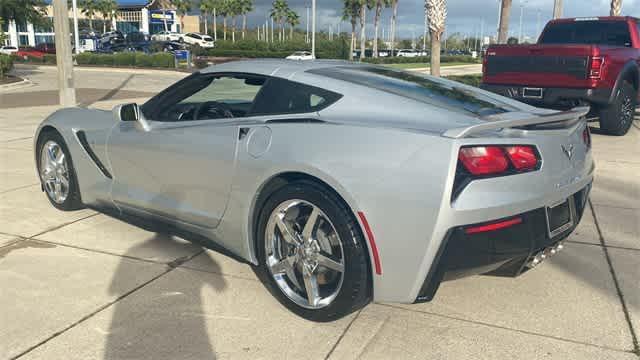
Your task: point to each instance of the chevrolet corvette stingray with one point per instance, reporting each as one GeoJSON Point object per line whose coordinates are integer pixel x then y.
{"type": "Point", "coordinates": [341, 183]}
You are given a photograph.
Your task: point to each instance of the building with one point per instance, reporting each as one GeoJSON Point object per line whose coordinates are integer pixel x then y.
{"type": "Point", "coordinates": [148, 16]}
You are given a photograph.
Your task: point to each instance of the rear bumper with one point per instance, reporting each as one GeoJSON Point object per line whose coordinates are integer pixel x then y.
{"type": "Point", "coordinates": [504, 252]}
{"type": "Point", "coordinates": [556, 98]}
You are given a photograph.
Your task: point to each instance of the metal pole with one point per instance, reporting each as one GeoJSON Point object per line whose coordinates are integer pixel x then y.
{"type": "Point", "coordinates": [481, 34]}
{"type": "Point", "coordinates": [306, 38]}
{"type": "Point", "coordinates": [63, 53]}
{"type": "Point", "coordinates": [215, 25]}
{"type": "Point", "coordinates": [313, 29]}
{"type": "Point", "coordinates": [76, 36]}
{"type": "Point", "coordinates": [538, 24]}
{"type": "Point", "coordinates": [520, 32]}
{"type": "Point", "coordinates": [557, 9]}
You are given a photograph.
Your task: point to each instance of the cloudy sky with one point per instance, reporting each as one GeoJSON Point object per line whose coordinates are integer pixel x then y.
{"type": "Point", "coordinates": [464, 16]}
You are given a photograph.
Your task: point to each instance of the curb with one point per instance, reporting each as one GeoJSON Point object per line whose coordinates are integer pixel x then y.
{"type": "Point", "coordinates": [16, 85]}
{"type": "Point", "coordinates": [106, 68]}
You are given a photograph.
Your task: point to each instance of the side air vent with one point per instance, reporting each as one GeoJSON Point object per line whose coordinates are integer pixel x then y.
{"type": "Point", "coordinates": [82, 138]}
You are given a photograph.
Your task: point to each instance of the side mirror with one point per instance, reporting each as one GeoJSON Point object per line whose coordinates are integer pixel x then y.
{"type": "Point", "coordinates": [127, 112]}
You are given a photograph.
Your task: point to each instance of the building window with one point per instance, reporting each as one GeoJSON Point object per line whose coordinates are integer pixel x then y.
{"type": "Point", "coordinates": [23, 40]}
{"type": "Point", "coordinates": [46, 27]}
{"type": "Point", "coordinates": [21, 27]}
{"type": "Point", "coordinates": [45, 39]}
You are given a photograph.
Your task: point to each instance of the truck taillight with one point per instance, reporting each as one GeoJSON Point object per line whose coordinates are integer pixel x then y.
{"type": "Point", "coordinates": [595, 67]}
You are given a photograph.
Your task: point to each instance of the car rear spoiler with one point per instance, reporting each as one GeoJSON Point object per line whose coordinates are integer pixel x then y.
{"type": "Point", "coordinates": [572, 114]}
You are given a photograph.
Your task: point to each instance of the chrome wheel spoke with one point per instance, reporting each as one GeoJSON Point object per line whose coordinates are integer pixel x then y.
{"type": "Point", "coordinates": [53, 172]}
{"type": "Point", "coordinates": [329, 263]}
{"type": "Point", "coordinates": [287, 234]}
{"type": "Point", "coordinates": [304, 254]}
{"type": "Point", "coordinates": [311, 287]}
{"type": "Point", "coordinates": [307, 231]}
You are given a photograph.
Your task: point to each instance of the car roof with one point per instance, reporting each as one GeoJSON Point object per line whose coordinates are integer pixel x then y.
{"type": "Point", "coordinates": [277, 67]}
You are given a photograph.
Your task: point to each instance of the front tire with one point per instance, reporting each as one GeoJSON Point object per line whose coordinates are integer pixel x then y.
{"type": "Point", "coordinates": [313, 256]}
{"type": "Point", "coordinates": [56, 171]}
{"type": "Point", "coordinates": [616, 118]}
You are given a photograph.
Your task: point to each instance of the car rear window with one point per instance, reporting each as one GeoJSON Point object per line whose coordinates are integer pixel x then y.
{"type": "Point", "coordinates": [281, 96]}
{"type": "Point", "coordinates": [614, 33]}
{"type": "Point", "coordinates": [434, 91]}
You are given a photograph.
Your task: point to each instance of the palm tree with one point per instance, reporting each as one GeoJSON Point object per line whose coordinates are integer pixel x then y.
{"type": "Point", "coordinates": [246, 6]}
{"type": "Point", "coordinates": [223, 10]}
{"type": "Point", "coordinates": [278, 13]}
{"type": "Point", "coordinates": [394, 17]}
{"type": "Point", "coordinates": [503, 28]}
{"type": "Point", "coordinates": [293, 19]}
{"type": "Point", "coordinates": [206, 7]}
{"type": "Point", "coordinates": [106, 8]}
{"type": "Point", "coordinates": [557, 9]}
{"type": "Point", "coordinates": [182, 8]}
{"type": "Point", "coordinates": [350, 13]}
{"type": "Point", "coordinates": [437, 15]}
{"type": "Point", "coordinates": [363, 26]}
{"type": "Point", "coordinates": [379, 4]}
{"type": "Point", "coordinates": [234, 10]}
{"type": "Point", "coordinates": [89, 9]}
{"type": "Point", "coordinates": [616, 7]}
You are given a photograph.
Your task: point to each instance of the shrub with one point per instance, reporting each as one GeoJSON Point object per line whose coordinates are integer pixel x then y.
{"type": "Point", "coordinates": [85, 59]}
{"type": "Point", "coordinates": [49, 59]}
{"type": "Point", "coordinates": [6, 64]}
{"type": "Point", "coordinates": [124, 59]}
{"type": "Point", "coordinates": [165, 60]}
{"type": "Point", "coordinates": [104, 59]}
{"type": "Point", "coordinates": [421, 59]}
{"type": "Point", "coordinates": [142, 60]}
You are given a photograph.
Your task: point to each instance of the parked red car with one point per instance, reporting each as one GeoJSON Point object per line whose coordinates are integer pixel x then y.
{"type": "Point", "coordinates": [26, 52]}
{"type": "Point", "coordinates": [578, 61]}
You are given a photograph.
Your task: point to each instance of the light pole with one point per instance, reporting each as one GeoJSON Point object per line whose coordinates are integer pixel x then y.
{"type": "Point", "coordinates": [76, 36]}
{"type": "Point", "coordinates": [520, 32]}
{"type": "Point", "coordinates": [67, 92]}
{"type": "Point", "coordinates": [306, 39]}
{"type": "Point", "coordinates": [313, 29]}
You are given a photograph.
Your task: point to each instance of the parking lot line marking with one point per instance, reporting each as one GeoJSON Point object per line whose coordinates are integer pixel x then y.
{"type": "Point", "coordinates": [526, 332]}
{"type": "Point", "coordinates": [600, 245]}
{"type": "Point", "coordinates": [344, 332]}
{"type": "Point", "coordinates": [623, 303]}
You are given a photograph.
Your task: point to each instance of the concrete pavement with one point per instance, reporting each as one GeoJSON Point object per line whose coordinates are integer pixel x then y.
{"type": "Point", "coordinates": [81, 285]}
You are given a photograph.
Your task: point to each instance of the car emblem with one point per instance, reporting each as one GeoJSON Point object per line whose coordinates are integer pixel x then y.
{"type": "Point", "coordinates": [568, 150]}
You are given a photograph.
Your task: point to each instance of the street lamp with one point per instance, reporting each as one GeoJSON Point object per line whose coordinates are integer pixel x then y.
{"type": "Point", "coordinates": [313, 29]}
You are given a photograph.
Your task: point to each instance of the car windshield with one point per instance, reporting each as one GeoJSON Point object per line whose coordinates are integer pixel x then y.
{"type": "Point", "coordinates": [614, 33]}
{"type": "Point", "coordinates": [207, 38]}
{"type": "Point", "coordinates": [438, 92]}
{"type": "Point", "coordinates": [299, 53]}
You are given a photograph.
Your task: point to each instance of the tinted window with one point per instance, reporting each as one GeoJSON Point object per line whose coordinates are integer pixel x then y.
{"type": "Point", "coordinates": [280, 96]}
{"type": "Point", "coordinates": [205, 97]}
{"type": "Point", "coordinates": [438, 92]}
{"type": "Point", "coordinates": [615, 33]}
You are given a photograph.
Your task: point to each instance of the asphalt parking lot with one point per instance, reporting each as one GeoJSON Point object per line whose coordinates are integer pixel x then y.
{"type": "Point", "coordinates": [81, 285]}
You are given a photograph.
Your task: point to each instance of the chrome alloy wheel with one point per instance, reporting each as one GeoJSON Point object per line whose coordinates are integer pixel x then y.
{"type": "Point", "coordinates": [54, 172]}
{"type": "Point", "coordinates": [304, 254]}
{"type": "Point", "coordinates": [627, 110]}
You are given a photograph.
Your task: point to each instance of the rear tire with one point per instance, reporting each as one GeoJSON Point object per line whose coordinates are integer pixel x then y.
{"type": "Point", "coordinates": [340, 292]}
{"type": "Point", "coordinates": [65, 195]}
{"type": "Point", "coordinates": [616, 118]}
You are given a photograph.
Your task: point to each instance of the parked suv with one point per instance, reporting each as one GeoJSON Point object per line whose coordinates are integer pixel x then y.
{"type": "Point", "coordinates": [593, 61]}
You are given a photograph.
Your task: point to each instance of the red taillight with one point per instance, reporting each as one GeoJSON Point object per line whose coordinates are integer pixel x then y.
{"type": "Point", "coordinates": [586, 137]}
{"type": "Point", "coordinates": [493, 226]}
{"type": "Point", "coordinates": [595, 67]}
{"type": "Point", "coordinates": [494, 160]}
{"type": "Point", "coordinates": [483, 160]}
{"type": "Point", "coordinates": [523, 158]}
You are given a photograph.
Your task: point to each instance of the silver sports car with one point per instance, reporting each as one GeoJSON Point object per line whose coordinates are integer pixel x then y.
{"type": "Point", "coordinates": [341, 183]}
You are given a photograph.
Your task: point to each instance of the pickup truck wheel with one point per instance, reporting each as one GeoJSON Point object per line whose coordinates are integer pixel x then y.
{"type": "Point", "coordinates": [616, 118]}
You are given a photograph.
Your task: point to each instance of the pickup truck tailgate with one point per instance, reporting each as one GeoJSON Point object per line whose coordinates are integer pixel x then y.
{"type": "Point", "coordinates": [538, 65]}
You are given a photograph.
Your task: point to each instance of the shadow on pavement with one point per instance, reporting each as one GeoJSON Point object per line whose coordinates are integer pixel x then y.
{"type": "Point", "coordinates": [161, 321]}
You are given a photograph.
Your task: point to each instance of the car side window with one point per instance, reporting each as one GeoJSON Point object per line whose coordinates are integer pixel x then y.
{"type": "Point", "coordinates": [207, 97]}
{"type": "Point", "coordinates": [280, 96]}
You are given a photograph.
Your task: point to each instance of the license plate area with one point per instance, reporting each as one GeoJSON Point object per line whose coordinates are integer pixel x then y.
{"type": "Point", "coordinates": [560, 217]}
{"type": "Point", "coordinates": [532, 93]}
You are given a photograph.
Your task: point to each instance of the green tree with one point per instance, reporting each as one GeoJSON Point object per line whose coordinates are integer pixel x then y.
{"type": "Point", "coordinates": [279, 10]}
{"type": "Point", "coordinates": [23, 11]}
{"type": "Point", "coordinates": [293, 19]}
{"type": "Point", "coordinates": [394, 20]}
{"type": "Point", "coordinates": [379, 4]}
{"type": "Point", "coordinates": [350, 13]}
{"type": "Point", "coordinates": [503, 26]}
{"type": "Point", "coordinates": [182, 8]}
{"type": "Point", "coordinates": [246, 6]}
{"type": "Point", "coordinates": [107, 9]}
{"type": "Point", "coordinates": [89, 8]}
{"type": "Point", "coordinates": [224, 9]}
{"type": "Point", "coordinates": [436, 11]}
{"type": "Point", "coordinates": [3, 36]}
{"type": "Point", "coordinates": [206, 8]}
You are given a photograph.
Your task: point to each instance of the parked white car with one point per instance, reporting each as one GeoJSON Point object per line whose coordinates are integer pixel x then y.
{"type": "Point", "coordinates": [407, 53]}
{"type": "Point", "coordinates": [204, 41]}
{"type": "Point", "coordinates": [166, 36]}
{"type": "Point", "coordinates": [300, 55]}
{"type": "Point", "coordinates": [8, 50]}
